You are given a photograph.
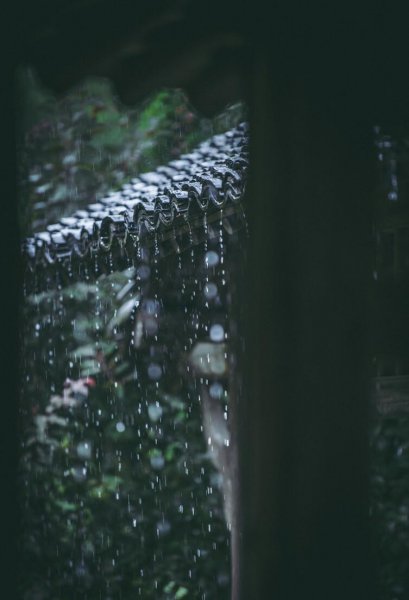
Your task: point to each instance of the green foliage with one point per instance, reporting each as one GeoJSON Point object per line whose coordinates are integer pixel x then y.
{"type": "Point", "coordinates": [75, 149]}
{"type": "Point", "coordinates": [119, 496]}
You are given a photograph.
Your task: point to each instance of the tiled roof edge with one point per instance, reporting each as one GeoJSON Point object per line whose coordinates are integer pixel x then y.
{"type": "Point", "coordinates": [203, 181]}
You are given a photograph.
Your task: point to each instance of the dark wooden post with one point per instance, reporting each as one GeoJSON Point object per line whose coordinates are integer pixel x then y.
{"type": "Point", "coordinates": [303, 442]}
{"type": "Point", "coordinates": [10, 269]}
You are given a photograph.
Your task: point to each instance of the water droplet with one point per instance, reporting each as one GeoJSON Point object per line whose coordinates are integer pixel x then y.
{"type": "Point", "coordinates": [155, 411]}
{"type": "Point", "coordinates": [154, 371]}
{"type": "Point", "coordinates": [210, 290]}
{"type": "Point", "coordinates": [211, 258]}
{"type": "Point", "coordinates": [216, 390]}
{"type": "Point", "coordinates": [120, 427]}
{"type": "Point", "coordinates": [84, 450]}
{"type": "Point", "coordinates": [216, 333]}
{"type": "Point", "coordinates": [157, 461]}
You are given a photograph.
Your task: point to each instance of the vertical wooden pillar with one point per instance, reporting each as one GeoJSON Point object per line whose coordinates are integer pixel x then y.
{"type": "Point", "coordinates": [9, 357]}
{"type": "Point", "coordinates": [302, 430]}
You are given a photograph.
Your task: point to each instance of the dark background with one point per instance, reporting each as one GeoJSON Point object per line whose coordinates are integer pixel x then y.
{"type": "Point", "coordinates": [347, 64]}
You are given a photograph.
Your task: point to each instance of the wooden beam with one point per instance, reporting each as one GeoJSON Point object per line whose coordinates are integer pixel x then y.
{"type": "Point", "coordinates": [303, 423]}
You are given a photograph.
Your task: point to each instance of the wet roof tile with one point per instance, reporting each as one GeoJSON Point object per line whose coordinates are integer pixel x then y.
{"type": "Point", "coordinates": [203, 180]}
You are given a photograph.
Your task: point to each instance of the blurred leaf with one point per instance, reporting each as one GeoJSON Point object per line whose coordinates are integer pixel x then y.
{"type": "Point", "coordinates": [111, 482]}
{"type": "Point", "coordinates": [65, 506]}
{"type": "Point", "coordinates": [60, 193]}
{"type": "Point", "coordinates": [169, 587]}
{"type": "Point", "coordinates": [82, 351]}
{"type": "Point", "coordinates": [123, 313]}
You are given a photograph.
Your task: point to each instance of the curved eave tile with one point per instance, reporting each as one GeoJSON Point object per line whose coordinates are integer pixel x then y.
{"type": "Point", "coordinates": [204, 180]}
